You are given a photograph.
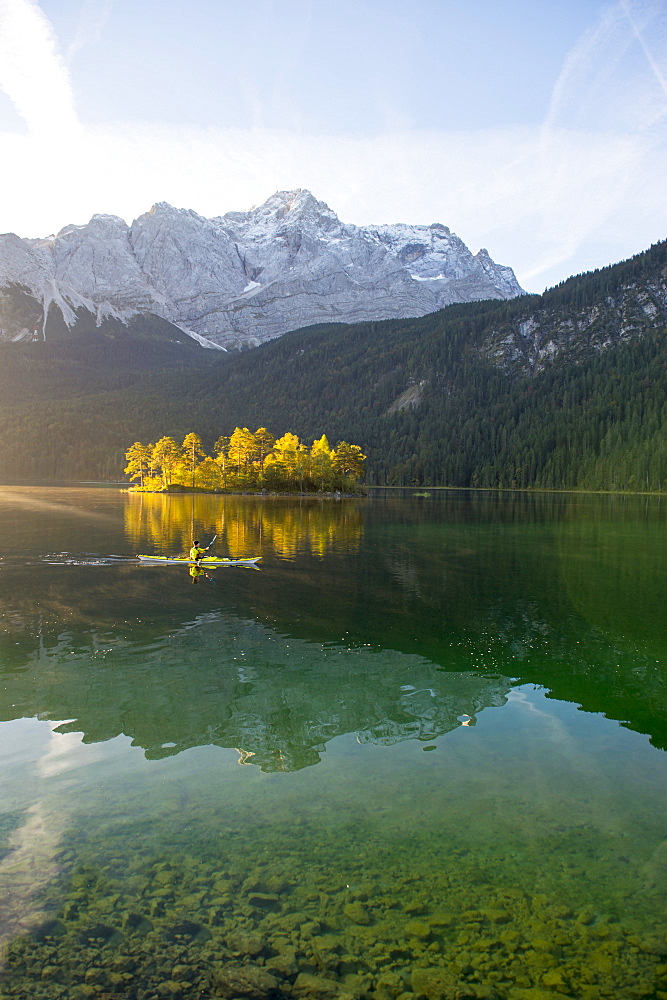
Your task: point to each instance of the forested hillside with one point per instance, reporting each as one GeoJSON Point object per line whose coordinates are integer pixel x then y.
{"type": "Point", "coordinates": [563, 390]}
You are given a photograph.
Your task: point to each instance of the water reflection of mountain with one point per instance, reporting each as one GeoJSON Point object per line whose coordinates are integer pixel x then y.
{"type": "Point", "coordinates": [222, 680]}
{"type": "Point", "coordinates": [141, 652]}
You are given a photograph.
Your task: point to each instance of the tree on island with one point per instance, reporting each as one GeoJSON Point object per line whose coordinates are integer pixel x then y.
{"type": "Point", "coordinates": [246, 460]}
{"type": "Point", "coordinates": [139, 461]}
{"type": "Point", "coordinates": [193, 449]}
{"type": "Point", "coordinates": [167, 456]}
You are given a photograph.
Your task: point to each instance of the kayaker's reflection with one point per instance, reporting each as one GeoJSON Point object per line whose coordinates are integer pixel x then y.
{"type": "Point", "coordinates": [196, 572]}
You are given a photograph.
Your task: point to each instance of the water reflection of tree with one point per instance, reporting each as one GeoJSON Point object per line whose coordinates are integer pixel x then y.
{"type": "Point", "coordinates": [244, 525]}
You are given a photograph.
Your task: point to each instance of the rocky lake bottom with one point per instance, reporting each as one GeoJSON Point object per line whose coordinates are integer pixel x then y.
{"type": "Point", "coordinates": [378, 895]}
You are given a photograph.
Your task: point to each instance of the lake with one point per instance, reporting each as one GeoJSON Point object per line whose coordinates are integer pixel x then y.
{"type": "Point", "coordinates": [420, 753]}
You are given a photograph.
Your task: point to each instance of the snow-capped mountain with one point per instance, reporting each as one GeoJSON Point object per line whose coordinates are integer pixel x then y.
{"type": "Point", "coordinates": [246, 277]}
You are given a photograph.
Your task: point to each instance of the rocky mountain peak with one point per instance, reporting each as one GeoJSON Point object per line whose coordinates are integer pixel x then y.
{"type": "Point", "coordinates": [298, 208]}
{"type": "Point", "coordinates": [246, 277]}
{"type": "Point", "coordinates": [296, 204]}
{"type": "Point", "coordinates": [163, 212]}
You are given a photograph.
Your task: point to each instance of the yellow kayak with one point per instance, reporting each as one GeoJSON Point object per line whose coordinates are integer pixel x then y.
{"type": "Point", "coordinates": [209, 562]}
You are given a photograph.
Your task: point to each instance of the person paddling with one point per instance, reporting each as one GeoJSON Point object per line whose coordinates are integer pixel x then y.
{"type": "Point", "coordinates": [196, 552]}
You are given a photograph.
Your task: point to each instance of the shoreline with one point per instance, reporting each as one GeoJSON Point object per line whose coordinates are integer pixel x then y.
{"type": "Point", "coordinates": [200, 491]}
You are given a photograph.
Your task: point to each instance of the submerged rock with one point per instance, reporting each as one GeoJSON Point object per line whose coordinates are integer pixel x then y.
{"type": "Point", "coordinates": [264, 900]}
{"type": "Point", "coordinates": [249, 981]}
{"type": "Point", "coordinates": [283, 965]}
{"type": "Point", "coordinates": [244, 943]}
{"type": "Point", "coordinates": [309, 987]}
{"type": "Point", "coordinates": [440, 984]}
{"type": "Point", "coordinates": [418, 929]}
{"type": "Point", "coordinates": [357, 913]}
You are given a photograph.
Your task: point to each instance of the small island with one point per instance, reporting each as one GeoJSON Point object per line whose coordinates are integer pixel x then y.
{"type": "Point", "coordinates": [245, 461]}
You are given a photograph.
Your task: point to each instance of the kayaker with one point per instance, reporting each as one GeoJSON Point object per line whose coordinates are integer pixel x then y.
{"type": "Point", "coordinates": [196, 552]}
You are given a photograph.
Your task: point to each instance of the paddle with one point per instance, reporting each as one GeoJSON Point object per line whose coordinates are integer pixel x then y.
{"type": "Point", "coordinates": [211, 542]}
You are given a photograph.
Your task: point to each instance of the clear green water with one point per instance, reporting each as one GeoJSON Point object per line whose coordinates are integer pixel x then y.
{"type": "Point", "coordinates": [450, 712]}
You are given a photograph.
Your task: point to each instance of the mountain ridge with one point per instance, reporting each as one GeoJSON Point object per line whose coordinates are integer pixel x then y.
{"type": "Point", "coordinates": [239, 279]}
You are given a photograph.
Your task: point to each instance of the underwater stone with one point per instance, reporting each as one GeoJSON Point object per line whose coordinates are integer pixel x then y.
{"type": "Point", "coordinates": [181, 972]}
{"type": "Point", "coordinates": [266, 900]}
{"type": "Point", "coordinates": [418, 929]}
{"type": "Point", "coordinates": [555, 978]}
{"type": "Point", "coordinates": [70, 910]}
{"type": "Point", "coordinates": [98, 932]}
{"type": "Point", "coordinates": [414, 906]}
{"type": "Point", "coordinates": [388, 986]}
{"type": "Point", "coordinates": [244, 981]}
{"type": "Point", "coordinates": [280, 943]}
{"type": "Point", "coordinates": [136, 923]}
{"type": "Point", "coordinates": [562, 912]}
{"type": "Point", "coordinates": [359, 985]}
{"type": "Point", "coordinates": [310, 987]}
{"type": "Point", "coordinates": [277, 885]}
{"type": "Point", "coordinates": [652, 946]}
{"type": "Point", "coordinates": [310, 927]}
{"type": "Point", "coordinates": [543, 944]}
{"type": "Point", "coordinates": [284, 965]}
{"type": "Point", "coordinates": [497, 916]}
{"type": "Point", "coordinates": [215, 915]}
{"type": "Point", "coordinates": [95, 975]}
{"type": "Point", "coordinates": [440, 984]}
{"type": "Point", "coordinates": [356, 913]}
{"type": "Point", "coordinates": [536, 993]}
{"type": "Point", "coordinates": [169, 988]}
{"type": "Point", "coordinates": [328, 942]}
{"type": "Point", "coordinates": [243, 943]}
{"type": "Point", "coordinates": [164, 877]}
{"type": "Point", "coordinates": [223, 885]}
{"type": "Point", "coordinates": [186, 930]}
{"type": "Point", "coordinates": [163, 891]}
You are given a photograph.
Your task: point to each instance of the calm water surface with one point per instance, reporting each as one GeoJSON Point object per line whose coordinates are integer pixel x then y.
{"type": "Point", "coordinates": [450, 714]}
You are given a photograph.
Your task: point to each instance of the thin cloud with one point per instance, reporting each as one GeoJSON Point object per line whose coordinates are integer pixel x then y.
{"type": "Point", "coordinates": [32, 71]}
{"type": "Point", "coordinates": [606, 99]}
{"type": "Point", "coordinates": [608, 79]}
{"type": "Point", "coordinates": [638, 30]}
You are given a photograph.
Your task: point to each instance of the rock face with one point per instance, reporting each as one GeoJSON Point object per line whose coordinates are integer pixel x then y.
{"type": "Point", "coordinates": [246, 277]}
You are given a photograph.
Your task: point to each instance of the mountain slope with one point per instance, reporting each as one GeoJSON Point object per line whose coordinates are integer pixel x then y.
{"type": "Point", "coordinates": [562, 390]}
{"type": "Point", "coordinates": [247, 277]}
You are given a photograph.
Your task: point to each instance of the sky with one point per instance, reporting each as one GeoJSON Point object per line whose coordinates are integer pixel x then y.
{"type": "Point", "coordinates": [534, 128]}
